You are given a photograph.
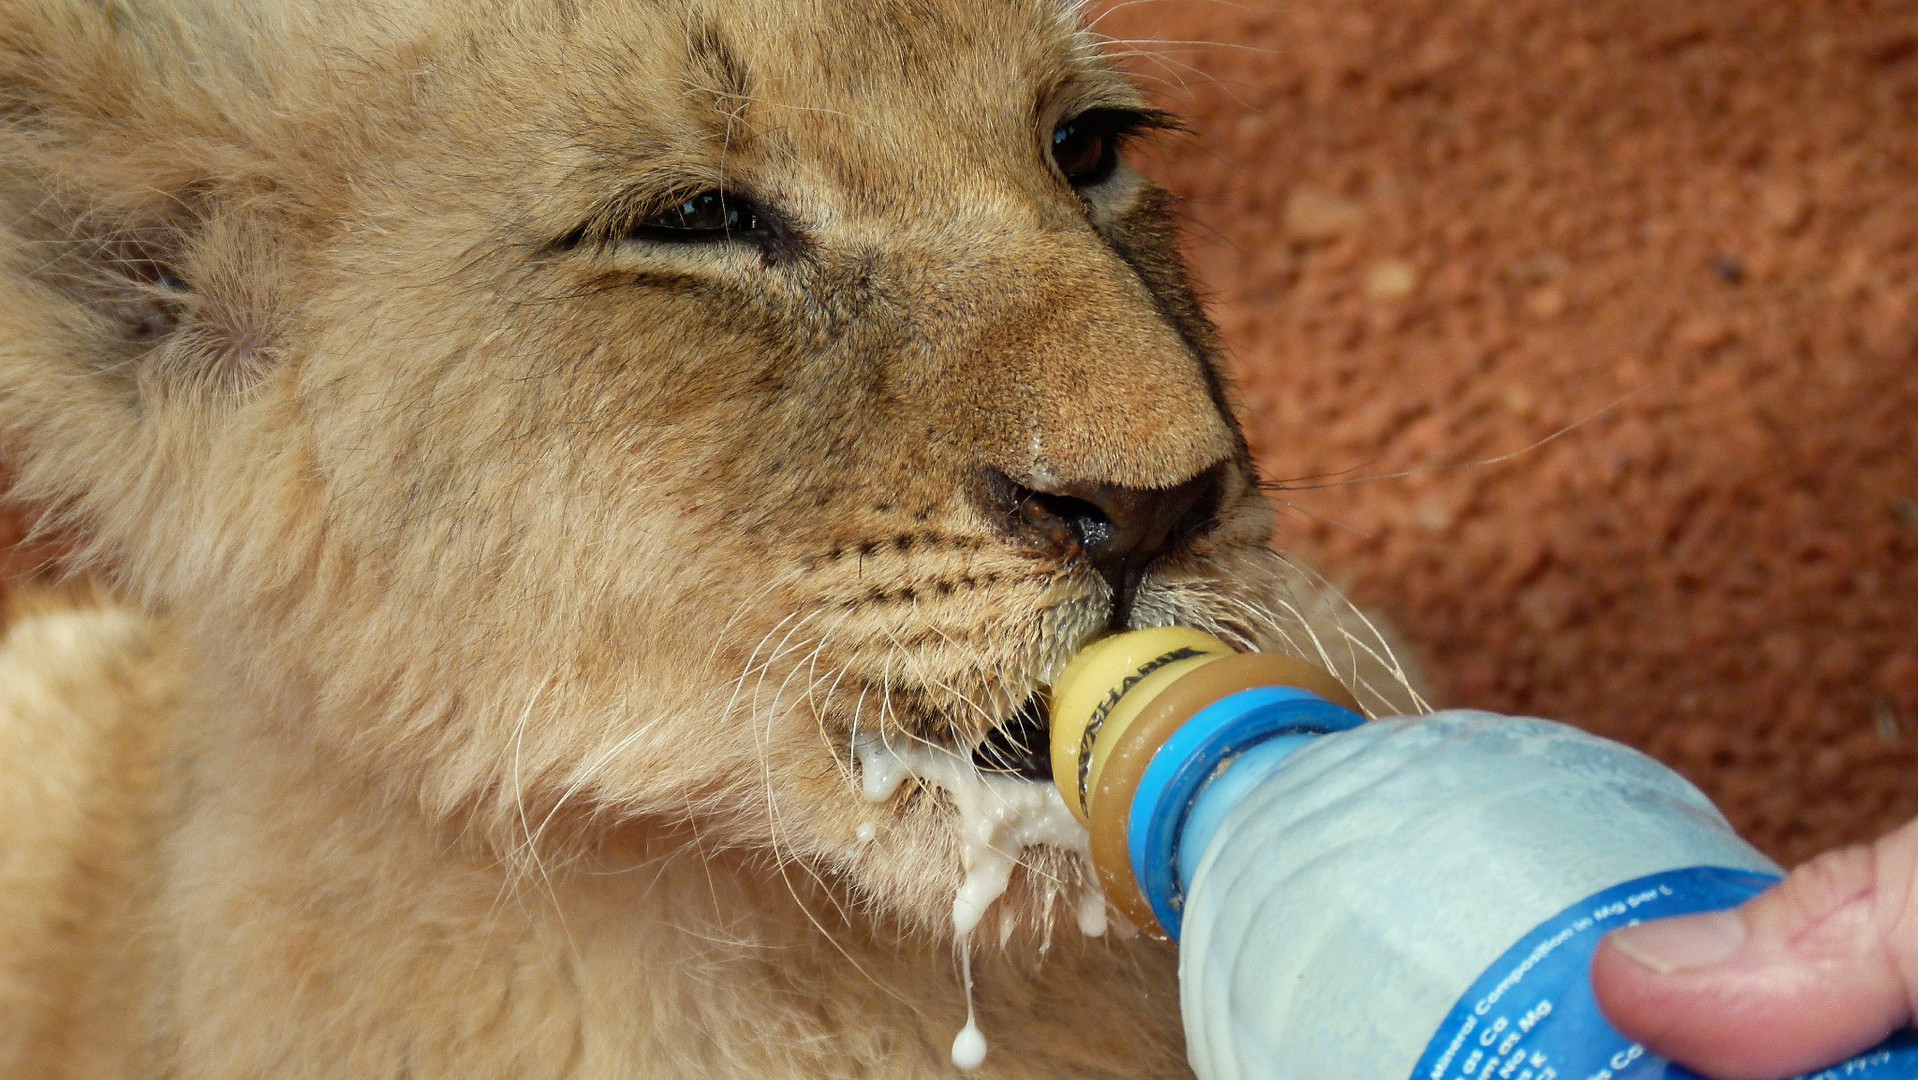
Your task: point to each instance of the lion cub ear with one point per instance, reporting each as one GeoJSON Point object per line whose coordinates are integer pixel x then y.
{"type": "Point", "coordinates": [133, 204]}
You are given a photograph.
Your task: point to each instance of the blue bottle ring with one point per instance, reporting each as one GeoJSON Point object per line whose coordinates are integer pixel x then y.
{"type": "Point", "coordinates": [1196, 753]}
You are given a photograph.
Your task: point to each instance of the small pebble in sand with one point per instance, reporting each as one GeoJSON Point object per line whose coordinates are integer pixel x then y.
{"type": "Point", "coordinates": [1313, 215]}
{"type": "Point", "coordinates": [1391, 280]}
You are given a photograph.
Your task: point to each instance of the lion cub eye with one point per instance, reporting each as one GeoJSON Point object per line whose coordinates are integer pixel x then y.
{"type": "Point", "coordinates": [709, 215]}
{"type": "Point", "coordinates": [1086, 147]}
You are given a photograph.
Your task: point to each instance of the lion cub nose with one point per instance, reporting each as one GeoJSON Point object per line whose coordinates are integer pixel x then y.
{"type": "Point", "coordinates": [1120, 531]}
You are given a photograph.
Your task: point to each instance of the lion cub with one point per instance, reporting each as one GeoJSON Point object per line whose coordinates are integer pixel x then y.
{"type": "Point", "coordinates": [534, 445]}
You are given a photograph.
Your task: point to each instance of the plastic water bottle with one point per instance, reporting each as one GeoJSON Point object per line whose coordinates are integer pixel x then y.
{"type": "Point", "coordinates": [1408, 899]}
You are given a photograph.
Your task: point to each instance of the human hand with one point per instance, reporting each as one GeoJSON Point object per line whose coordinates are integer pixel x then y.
{"type": "Point", "coordinates": [1817, 970]}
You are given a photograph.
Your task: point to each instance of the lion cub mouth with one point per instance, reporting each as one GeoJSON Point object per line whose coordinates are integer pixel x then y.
{"type": "Point", "coordinates": [1022, 745]}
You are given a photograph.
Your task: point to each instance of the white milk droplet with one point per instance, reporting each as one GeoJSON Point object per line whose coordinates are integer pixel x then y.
{"type": "Point", "coordinates": [969, 1046]}
{"type": "Point", "coordinates": [969, 1049]}
{"type": "Point", "coordinates": [1092, 913]}
{"type": "Point", "coordinates": [866, 831]}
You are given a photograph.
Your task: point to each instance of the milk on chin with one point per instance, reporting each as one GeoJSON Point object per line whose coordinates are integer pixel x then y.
{"type": "Point", "coordinates": [1000, 816]}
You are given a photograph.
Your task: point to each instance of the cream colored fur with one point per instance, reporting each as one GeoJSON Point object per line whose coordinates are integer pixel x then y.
{"type": "Point", "coordinates": [501, 593]}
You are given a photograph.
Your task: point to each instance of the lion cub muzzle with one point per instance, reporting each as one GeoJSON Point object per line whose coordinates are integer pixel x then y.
{"type": "Point", "coordinates": [1120, 531]}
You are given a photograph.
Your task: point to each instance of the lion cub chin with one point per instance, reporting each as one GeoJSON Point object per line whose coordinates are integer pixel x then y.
{"type": "Point", "coordinates": [532, 448]}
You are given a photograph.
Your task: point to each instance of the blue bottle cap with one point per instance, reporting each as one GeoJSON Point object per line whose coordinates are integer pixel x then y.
{"type": "Point", "coordinates": [1199, 751]}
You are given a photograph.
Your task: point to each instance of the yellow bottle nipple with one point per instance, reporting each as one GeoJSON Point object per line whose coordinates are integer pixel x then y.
{"type": "Point", "coordinates": [1120, 699]}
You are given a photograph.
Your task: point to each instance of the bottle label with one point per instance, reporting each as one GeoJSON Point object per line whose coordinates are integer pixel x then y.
{"type": "Point", "coordinates": [1532, 1016]}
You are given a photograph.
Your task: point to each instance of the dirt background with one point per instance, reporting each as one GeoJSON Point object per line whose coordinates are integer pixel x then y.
{"type": "Point", "coordinates": [1440, 231]}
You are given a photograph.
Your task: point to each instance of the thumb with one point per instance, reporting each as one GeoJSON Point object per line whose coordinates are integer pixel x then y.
{"type": "Point", "coordinates": [1818, 969]}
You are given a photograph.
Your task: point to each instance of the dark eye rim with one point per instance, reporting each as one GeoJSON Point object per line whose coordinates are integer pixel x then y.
{"type": "Point", "coordinates": [647, 219]}
{"type": "Point", "coordinates": [1118, 127]}
{"type": "Point", "coordinates": [741, 218]}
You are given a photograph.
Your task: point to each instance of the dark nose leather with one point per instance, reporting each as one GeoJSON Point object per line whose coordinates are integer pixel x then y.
{"type": "Point", "coordinates": [1119, 530]}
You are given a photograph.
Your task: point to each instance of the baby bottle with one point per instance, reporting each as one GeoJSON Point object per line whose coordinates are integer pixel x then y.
{"type": "Point", "coordinates": [1407, 898]}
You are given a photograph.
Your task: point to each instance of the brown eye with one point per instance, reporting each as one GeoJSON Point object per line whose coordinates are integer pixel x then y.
{"type": "Point", "coordinates": [1086, 147]}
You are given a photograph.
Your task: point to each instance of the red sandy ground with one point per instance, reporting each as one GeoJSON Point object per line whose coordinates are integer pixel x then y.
{"type": "Point", "coordinates": [1440, 232]}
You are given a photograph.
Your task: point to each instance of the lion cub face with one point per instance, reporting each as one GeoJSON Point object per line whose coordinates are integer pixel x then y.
{"type": "Point", "coordinates": [599, 416]}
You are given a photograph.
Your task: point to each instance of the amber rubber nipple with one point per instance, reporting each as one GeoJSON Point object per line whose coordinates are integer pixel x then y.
{"type": "Point", "coordinates": [1120, 699]}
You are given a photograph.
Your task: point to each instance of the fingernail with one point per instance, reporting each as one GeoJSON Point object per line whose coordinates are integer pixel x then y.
{"type": "Point", "coordinates": [1689, 943]}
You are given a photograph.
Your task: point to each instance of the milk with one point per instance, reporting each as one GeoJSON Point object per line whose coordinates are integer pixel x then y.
{"type": "Point", "coordinates": [1000, 816]}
